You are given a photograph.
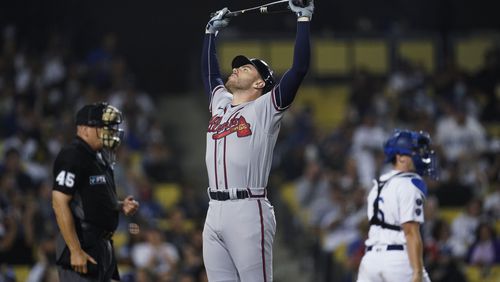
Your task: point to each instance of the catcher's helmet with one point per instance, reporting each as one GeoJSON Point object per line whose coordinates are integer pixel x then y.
{"type": "Point", "coordinates": [417, 146]}
{"type": "Point", "coordinates": [266, 73]}
{"type": "Point", "coordinates": [103, 116]}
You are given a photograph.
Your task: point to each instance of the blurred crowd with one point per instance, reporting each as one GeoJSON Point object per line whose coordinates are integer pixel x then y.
{"type": "Point", "coordinates": [40, 91]}
{"type": "Point", "coordinates": [332, 172]}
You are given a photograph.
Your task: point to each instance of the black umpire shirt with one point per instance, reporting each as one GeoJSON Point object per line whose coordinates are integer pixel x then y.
{"type": "Point", "coordinates": [83, 173]}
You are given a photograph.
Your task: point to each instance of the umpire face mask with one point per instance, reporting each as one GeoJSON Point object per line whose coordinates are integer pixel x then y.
{"type": "Point", "coordinates": [106, 119]}
{"type": "Point", "coordinates": [111, 134]}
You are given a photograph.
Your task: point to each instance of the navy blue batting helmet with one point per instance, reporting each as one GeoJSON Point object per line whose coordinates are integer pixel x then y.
{"type": "Point", "coordinates": [417, 145]}
{"type": "Point", "coordinates": [262, 68]}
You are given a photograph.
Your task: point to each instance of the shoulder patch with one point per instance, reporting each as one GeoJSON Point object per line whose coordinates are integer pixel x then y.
{"type": "Point", "coordinates": [419, 183]}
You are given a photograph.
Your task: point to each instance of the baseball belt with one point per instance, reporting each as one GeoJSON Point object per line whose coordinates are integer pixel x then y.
{"type": "Point", "coordinates": [231, 194]}
{"type": "Point", "coordinates": [388, 248]}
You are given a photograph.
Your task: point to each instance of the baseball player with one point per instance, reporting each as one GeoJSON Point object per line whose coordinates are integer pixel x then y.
{"type": "Point", "coordinates": [396, 210]}
{"type": "Point", "coordinates": [245, 120]}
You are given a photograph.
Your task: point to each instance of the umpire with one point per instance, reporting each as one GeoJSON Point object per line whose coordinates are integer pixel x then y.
{"type": "Point", "coordinates": [84, 197]}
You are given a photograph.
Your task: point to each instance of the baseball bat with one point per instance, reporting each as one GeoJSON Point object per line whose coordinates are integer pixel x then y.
{"type": "Point", "coordinates": [273, 7]}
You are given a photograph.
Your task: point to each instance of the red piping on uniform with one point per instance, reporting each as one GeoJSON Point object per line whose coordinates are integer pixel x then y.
{"type": "Point", "coordinates": [225, 169]}
{"type": "Point", "coordinates": [273, 98]}
{"type": "Point", "coordinates": [215, 165]}
{"type": "Point", "coordinates": [262, 241]}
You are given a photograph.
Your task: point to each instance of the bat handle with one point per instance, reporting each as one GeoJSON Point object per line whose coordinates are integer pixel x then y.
{"type": "Point", "coordinates": [233, 14]}
{"type": "Point", "coordinates": [228, 15]}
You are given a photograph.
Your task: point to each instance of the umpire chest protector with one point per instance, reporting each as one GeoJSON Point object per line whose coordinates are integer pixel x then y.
{"type": "Point", "coordinates": [83, 173]}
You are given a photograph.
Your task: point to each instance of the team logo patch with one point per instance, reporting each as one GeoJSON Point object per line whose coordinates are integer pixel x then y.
{"type": "Point", "coordinates": [418, 211]}
{"type": "Point", "coordinates": [419, 202]}
{"type": "Point", "coordinates": [97, 179]}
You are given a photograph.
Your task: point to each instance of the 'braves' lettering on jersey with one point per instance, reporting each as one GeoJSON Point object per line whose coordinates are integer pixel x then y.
{"type": "Point", "coordinates": [240, 141]}
{"type": "Point", "coordinates": [236, 124]}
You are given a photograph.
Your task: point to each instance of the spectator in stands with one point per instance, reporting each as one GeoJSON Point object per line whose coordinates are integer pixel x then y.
{"type": "Point", "coordinates": [492, 202]}
{"type": "Point", "coordinates": [463, 227]}
{"type": "Point", "coordinates": [461, 136]}
{"type": "Point", "coordinates": [487, 83]}
{"type": "Point", "coordinates": [367, 140]}
{"type": "Point", "coordinates": [13, 167]}
{"type": "Point", "coordinates": [340, 226]}
{"type": "Point", "coordinates": [431, 216]}
{"type": "Point", "coordinates": [16, 246]}
{"type": "Point", "coordinates": [363, 89]}
{"type": "Point", "coordinates": [485, 251]}
{"type": "Point", "coordinates": [441, 255]}
{"type": "Point", "coordinates": [312, 192]}
{"type": "Point", "coordinates": [156, 254]}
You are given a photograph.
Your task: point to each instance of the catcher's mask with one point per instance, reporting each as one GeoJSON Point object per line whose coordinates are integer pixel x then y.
{"type": "Point", "coordinates": [417, 145]}
{"type": "Point", "coordinates": [107, 117]}
{"type": "Point", "coordinates": [266, 73]}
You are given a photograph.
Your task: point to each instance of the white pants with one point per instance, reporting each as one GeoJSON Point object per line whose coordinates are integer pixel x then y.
{"type": "Point", "coordinates": [380, 265]}
{"type": "Point", "coordinates": [238, 239]}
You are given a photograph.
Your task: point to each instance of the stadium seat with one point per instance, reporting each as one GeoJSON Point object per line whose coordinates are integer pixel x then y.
{"type": "Point", "coordinates": [136, 160]}
{"type": "Point", "coordinates": [469, 52]}
{"type": "Point", "coordinates": [228, 50]}
{"type": "Point", "coordinates": [493, 129]}
{"type": "Point", "coordinates": [372, 55]}
{"type": "Point", "coordinates": [120, 238]}
{"type": "Point", "coordinates": [332, 107]}
{"type": "Point", "coordinates": [167, 194]}
{"type": "Point", "coordinates": [479, 274]}
{"type": "Point", "coordinates": [288, 196]}
{"type": "Point", "coordinates": [329, 103]}
{"type": "Point", "coordinates": [330, 57]}
{"type": "Point", "coordinates": [340, 254]}
{"type": "Point", "coordinates": [281, 53]}
{"type": "Point", "coordinates": [419, 52]}
{"type": "Point", "coordinates": [22, 272]}
{"type": "Point", "coordinates": [449, 214]}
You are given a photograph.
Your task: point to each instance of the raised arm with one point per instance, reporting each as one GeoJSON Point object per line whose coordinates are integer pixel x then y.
{"type": "Point", "coordinates": [286, 89]}
{"type": "Point", "coordinates": [209, 63]}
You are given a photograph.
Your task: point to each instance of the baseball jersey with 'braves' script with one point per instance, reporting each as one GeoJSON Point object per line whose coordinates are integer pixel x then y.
{"type": "Point", "coordinates": [240, 140]}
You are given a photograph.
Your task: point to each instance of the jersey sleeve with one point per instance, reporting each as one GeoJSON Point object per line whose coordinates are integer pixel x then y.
{"type": "Point", "coordinates": [210, 67]}
{"type": "Point", "coordinates": [411, 196]}
{"type": "Point", "coordinates": [285, 91]}
{"type": "Point", "coordinates": [66, 172]}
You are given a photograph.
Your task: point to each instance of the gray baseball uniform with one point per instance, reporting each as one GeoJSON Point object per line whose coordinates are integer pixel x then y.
{"type": "Point", "coordinates": [240, 224]}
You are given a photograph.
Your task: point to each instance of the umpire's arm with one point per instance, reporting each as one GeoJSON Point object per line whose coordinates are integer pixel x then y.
{"type": "Point", "coordinates": [64, 217]}
{"type": "Point", "coordinates": [60, 204]}
{"type": "Point", "coordinates": [411, 230]}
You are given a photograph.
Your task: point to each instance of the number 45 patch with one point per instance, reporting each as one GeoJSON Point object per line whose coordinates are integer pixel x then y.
{"type": "Point", "coordinates": [65, 179]}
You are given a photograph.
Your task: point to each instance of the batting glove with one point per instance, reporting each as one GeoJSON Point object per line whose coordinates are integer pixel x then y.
{"type": "Point", "coordinates": [302, 11]}
{"type": "Point", "coordinates": [218, 21]}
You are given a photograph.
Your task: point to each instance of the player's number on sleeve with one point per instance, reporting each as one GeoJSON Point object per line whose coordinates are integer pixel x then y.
{"type": "Point", "coordinates": [65, 179]}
